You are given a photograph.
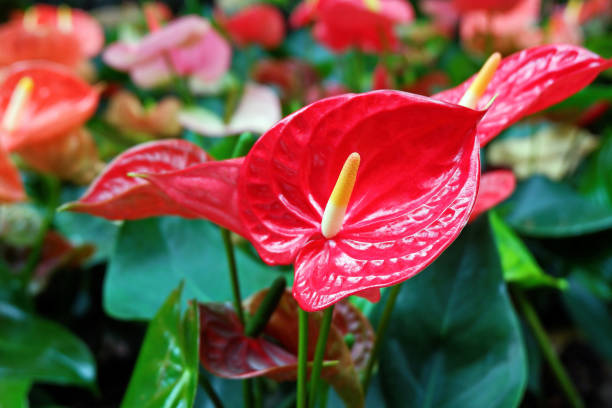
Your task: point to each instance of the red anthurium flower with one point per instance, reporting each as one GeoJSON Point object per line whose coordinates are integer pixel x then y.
{"type": "Point", "coordinates": [366, 24]}
{"type": "Point", "coordinates": [45, 43]}
{"type": "Point", "coordinates": [487, 5]}
{"type": "Point", "coordinates": [40, 101]}
{"type": "Point", "coordinates": [530, 81]}
{"type": "Point", "coordinates": [85, 28]}
{"type": "Point", "coordinates": [495, 187]}
{"type": "Point", "coordinates": [186, 46]}
{"type": "Point", "coordinates": [260, 24]}
{"type": "Point", "coordinates": [291, 76]}
{"type": "Point", "coordinates": [11, 188]}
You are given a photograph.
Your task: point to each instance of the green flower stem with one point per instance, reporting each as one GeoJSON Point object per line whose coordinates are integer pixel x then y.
{"type": "Point", "coordinates": [317, 364]}
{"type": "Point", "coordinates": [541, 336]}
{"type": "Point", "coordinates": [233, 273]}
{"type": "Point", "coordinates": [258, 322]}
{"type": "Point", "coordinates": [302, 358]}
{"type": "Point", "coordinates": [380, 334]}
{"type": "Point", "coordinates": [247, 387]}
{"type": "Point", "coordinates": [52, 190]}
{"type": "Point", "coordinates": [212, 394]}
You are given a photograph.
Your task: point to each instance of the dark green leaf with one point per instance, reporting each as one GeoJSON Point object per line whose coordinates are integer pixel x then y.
{"type": "Point", "coordinates": [543, 208]}
{"type": "Point", "coordinates": [454, 338]}
{"type": "Point", "coordinates": [518, 265]}
{"type": "Point", "coordinates": [166, 373]}
{"type": "Point", "coordinates": [586, 302]}
{"type": "Point", "coordinates": [152, 256]}
{"type": "Point", "coordinates": [36, 349]}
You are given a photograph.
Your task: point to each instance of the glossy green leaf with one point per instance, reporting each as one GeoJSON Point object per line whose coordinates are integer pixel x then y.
{"type": "Point", "coordinates": [36, 349]}
{"type": "Point", "coordinates": [588, 303]}
{"type": "Point", "coordinates": [454, 338]}
{"type": "Point", "coordinates": [518, 265]}
{"type": "Point", "coordinates": [14, 393]}
{"type": "Point", "coordinates": [596, 181]}
{"type": "Point", "coordinates": [166, 373]}
{"type": "Point", "coordinates": [153, 255]}
{"type": "Point", "coordinates": [543, 208]}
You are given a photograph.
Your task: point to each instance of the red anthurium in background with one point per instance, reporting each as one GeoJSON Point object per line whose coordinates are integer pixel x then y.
{"type": "Point", "coordinates": [260, 24]}
{"type": "Point", "coordinates": [59, 34]}
{"type": "Point", "coordinates": [491, 6]}
{"type": "Point", "coordinates": [11, 188]}
{"type": "Point", "coordinates": [495, 187]}
{"type": "Point", "coordinates": [530, 81]}
{"type": "Point", "coordinates": [292, 76]}
{"type": "Point", "coordinates": [85, 28]}
{"type": "Point", "coordinates": [42, 108]}
{"type": "Point", "coordinates": [186, 46]}
{"type": "Point", "coordinates": [53, 103]}
{"type": "Point", "coordinates": [365, 24]}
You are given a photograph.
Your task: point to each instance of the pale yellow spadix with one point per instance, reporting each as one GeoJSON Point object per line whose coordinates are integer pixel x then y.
{"type": "Point", "coordinates": [333, 216]}
{"type": "Point", "coordinates": [30, 18]}
{"type": "Point", "coordinates": [19, 99]}
{"type": "Point", "coordinates": [479, 85]}
{"type": "Point", "coordinates": [64, 18]}
{"type": "Point", "coordinates": [572, 11]}
{"type": "Point", "coordinates": [372, 5]}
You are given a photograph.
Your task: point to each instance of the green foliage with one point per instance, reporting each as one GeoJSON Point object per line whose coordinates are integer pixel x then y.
{"type": "Point", "coordinates": [166, 373]}
{"type": "Point", "coordinates": [153, 255]}
{"type": "Point", "coordinates": [35, 349]}
{"type": "Point", "coordinates": [454, 338]}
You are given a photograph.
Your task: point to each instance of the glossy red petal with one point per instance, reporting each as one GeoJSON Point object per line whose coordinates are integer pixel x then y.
{"type": "Point", "coordinates": [416, 185]}
{"type": "Point", "coordinates": [208, 190]}
{"type": "Point", "coordinates": [260, 24]}
{"type": "Point", "coordinates": [115, 195]}
{"type": "Point", "coordinates": [226, 352]}
{"type": "Point", "coordinates": [495, 187]}
{"type": "Point", "coordinates": [11, 188]}
{"type": "Point", "coordinates": [60, 102]}
{"type": "Point", "coordinates": [530, 81]}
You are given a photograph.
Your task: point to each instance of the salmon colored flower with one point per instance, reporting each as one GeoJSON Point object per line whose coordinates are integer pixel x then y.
{"type": "Point", "coordinates": [186, 46]}
{"type": "Point", "coordinates": [11, 187]}
{"type": "Point", "coordinates": [260, 24]}
{"type": "Point", "coordinates": [365, 24]}
{"type": "Point", "coordinates": [127, 113]}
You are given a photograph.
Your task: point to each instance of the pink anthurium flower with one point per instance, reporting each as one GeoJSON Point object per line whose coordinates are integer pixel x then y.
{"type": "Point", "coordinates": [292, 195]}
{"type": "Point", "coordinates": [260, 24]}
{"type": "Point", "coordinates": [186, 46]}
{"type": "Point", "coordinates": [258, 110]}
{"type": "Point", "coordinates": [495, 187]}
{"type": "Point", "coordinates": [366, 24]}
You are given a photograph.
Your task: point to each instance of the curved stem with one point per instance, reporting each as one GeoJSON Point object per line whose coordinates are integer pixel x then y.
{"type": "Point", "coordinates": [317, 364]}
{"type": "Point", "coordinates": [380, 333]}
{"type": "Point", "coordinates": [52, 187]}
{"type": "Point", "coordinates": [302, 358]}
{"type": "Point", "coordinates": [546, 346]}
{"type": "Point", "coordinates": [258, 322]}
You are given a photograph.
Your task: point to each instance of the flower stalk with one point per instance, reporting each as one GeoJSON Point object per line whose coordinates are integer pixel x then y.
{"type": "Point", "coordinates": [317, 365]}
{"type": "Point", "coordinates": [302, 358]}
